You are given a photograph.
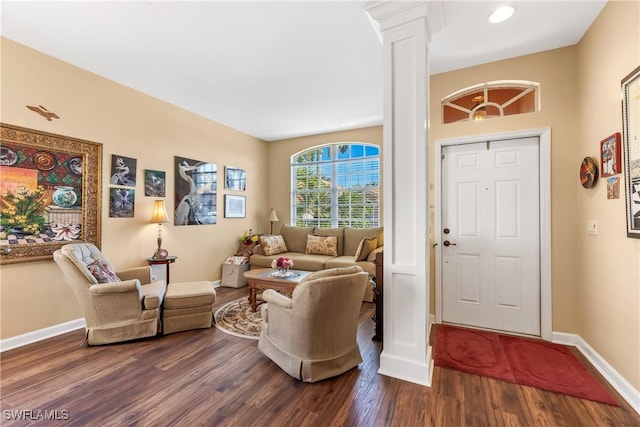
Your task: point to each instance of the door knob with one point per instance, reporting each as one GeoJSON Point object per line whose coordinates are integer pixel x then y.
{"type": "Point", "coordinates": [448, 243]}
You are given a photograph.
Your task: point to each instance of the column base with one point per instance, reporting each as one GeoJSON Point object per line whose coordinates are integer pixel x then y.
{"type": "Point", "coordinates": [418, 372]}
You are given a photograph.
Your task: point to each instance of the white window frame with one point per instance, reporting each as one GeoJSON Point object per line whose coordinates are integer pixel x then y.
{"type": "Point", "coordinates": [335, 163]}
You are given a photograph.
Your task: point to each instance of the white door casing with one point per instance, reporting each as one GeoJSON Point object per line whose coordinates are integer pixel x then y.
{"type": "Point", "coordinates": [499, 268]}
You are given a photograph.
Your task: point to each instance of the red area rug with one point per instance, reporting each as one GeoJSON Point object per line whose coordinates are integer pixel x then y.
{"type": "Point", "coordinates": [518, 360]}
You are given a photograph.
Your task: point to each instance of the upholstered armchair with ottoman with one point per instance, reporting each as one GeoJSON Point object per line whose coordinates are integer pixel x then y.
{"type": "Point", "coordinates": [125, 306]}
{"type": "Point", "coordinates": [313, 334]}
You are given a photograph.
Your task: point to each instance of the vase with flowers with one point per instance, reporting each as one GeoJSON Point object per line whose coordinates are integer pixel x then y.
{"type": "Point", "coordinates": [249, 238]}
{"type": "Point", "coordinates": [247, 242]}
{"type": "Point", "coordinates": [282, 265]}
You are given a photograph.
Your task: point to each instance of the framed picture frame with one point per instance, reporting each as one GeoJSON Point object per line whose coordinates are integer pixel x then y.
{"type": "Point", "coordinates": [631, 142]}
{"type": "Point", "coordinates": [610, 156]}
{"type": "Point", "coordinates": [235, 206]}
{"type": "Point", "coordinates": [123, 171]}
{"type": "Point", "coordinates": [122, 202]}
{"type": "Point", "coordinates": [54, 183]}
{"type": "Point", "coordinates": [196, 192]}
{"type": "Point", "coordinates": [155, 184]}
{"type": "Point", "coordinates": [235, 179]}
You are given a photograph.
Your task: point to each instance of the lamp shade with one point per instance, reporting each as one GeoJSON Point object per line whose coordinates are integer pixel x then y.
{"type": "Point", "coordinates": [273, 217]}
{"type": "Point", "coordinates": [159, 214]}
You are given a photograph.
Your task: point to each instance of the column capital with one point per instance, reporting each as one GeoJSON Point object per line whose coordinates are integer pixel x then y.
{"type": "Point", "coordinates": [386, 14]}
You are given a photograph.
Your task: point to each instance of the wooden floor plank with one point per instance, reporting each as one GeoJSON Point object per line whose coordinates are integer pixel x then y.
{"type": "Point", "coordinates": [206, 377]}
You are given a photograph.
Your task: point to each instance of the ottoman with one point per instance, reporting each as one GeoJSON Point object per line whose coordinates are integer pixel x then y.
{"type": "Point", "coordinates": [188, 305]}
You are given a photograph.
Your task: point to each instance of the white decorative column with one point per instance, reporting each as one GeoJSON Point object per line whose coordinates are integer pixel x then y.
{"type": "Point", "coordinates": [405, 35]}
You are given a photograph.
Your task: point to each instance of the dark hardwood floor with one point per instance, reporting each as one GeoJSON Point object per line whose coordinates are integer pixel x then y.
{"type": "Point", "coordinates": [209, 378]}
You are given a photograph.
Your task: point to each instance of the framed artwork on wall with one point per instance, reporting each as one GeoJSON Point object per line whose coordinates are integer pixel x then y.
{"type": "Point", "coordinates": [631, 142]}
{"type": "Point", "coordinates": [235, 179]}
{"type": "Point", "coordinates": [154, 183]}
{"type": "Point", "coordinates": [50, 193]}
{"type": "Point", "coordinates": [610, 156]}
{"type": "Point", "coordinates": [122, 202]}
{"type": "Point", "coordinates": [613, 187]}
{"type": "Point", "coordinates": [123, 171]}
{"type": "Point", "coordinates": [196, 190]}
{"type": "Point", "coordinates": [234, 206]}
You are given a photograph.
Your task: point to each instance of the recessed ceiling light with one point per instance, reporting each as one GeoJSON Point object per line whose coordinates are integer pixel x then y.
{"type": "Point", "coordinates": [501, 14]}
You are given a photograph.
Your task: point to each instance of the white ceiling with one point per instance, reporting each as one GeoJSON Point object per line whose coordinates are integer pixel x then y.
{"type": "Point", "coordinates": [274, 69]}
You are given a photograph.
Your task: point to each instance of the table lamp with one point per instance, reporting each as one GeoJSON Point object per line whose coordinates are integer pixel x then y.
{"type": "Point", "coordinates": [159, 216]}
{"type": "Point", "coordinates": [273, 218]}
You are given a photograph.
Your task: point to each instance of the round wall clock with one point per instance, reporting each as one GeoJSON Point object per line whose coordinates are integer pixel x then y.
{"type": "Point", "coordinates": [588, 172]}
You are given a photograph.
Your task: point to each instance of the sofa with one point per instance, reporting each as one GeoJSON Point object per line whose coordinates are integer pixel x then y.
{"type": "Point", "coordinates": [316, 248]}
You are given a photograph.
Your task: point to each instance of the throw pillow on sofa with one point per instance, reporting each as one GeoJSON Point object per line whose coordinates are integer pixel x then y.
{"type": "Point", "coordinates": [321, 245]}
{"type": "Point", "coordinates": [102, 272]}
{"type": "Point", "coordinates": [273, 245]}
{"type": "Point", "coordinates": [365, 247]}
{"type": "Point", "coordinates": [338, 232]}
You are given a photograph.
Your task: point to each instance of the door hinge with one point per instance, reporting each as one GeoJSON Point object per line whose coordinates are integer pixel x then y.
{"type": "Point", "coordinates": [442, 157]}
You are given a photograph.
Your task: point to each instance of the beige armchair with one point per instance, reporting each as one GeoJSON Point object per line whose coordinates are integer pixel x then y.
{"type": "Point", "coordinates": [116, 311]}
{"type": "Point", "coordinates": [313, 334]}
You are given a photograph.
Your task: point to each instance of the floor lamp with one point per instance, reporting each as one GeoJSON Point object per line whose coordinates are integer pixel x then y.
{"type": "Point", "coordinates": [273, 218]}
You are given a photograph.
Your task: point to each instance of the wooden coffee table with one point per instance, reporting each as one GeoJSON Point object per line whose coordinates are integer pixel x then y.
{"type": "Point", "coordinates": [262, 279]}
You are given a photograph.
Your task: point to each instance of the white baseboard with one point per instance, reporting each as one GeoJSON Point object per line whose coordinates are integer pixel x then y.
{"type": "Point", "coordinates": [216, 283]}
{"type": "Point", "coordinates": [41, 334]}
{"type": "Point", "coordinates": [617, 381]}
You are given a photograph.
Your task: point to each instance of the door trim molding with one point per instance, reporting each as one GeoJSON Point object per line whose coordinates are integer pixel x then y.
{"type": "Point", "coordinates": [544, 137]}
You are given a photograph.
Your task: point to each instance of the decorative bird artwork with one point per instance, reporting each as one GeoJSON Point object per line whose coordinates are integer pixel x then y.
{"type": "Point", "coordinates": [185, 211]}
{"type": "Point", "coordinates": [43, 112]}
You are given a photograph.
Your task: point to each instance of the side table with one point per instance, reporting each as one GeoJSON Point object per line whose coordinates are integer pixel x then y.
{"type": "Point", "coordinates": [166, 261]}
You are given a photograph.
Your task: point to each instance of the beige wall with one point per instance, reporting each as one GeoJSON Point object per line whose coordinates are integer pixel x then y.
{"type": "Point", "coordinates": [608, 293]}
{"type": "Point", "coordinates": [129, 123]}
{"type": "Point", "coordinates": [280, 153]}
{"type": "Point", "coordinates": [555, 70]}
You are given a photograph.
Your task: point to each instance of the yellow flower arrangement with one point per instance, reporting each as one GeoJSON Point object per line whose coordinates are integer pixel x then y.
{"type": "Point", "coordinates": [249, 238]}
{"type": "Point", "coordinates": [23, 209]}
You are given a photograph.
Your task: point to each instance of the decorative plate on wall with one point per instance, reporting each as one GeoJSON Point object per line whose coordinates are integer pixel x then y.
{"type": "Point", "coordinates": [588, 172]}
{"type": "Point", "coordinates": [7, 157]}
{"type": "Point", "coordinates": [44, 160]}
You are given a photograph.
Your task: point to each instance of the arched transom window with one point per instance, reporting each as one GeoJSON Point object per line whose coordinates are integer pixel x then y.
{"type": "Point", "coordinates": [488, 100]}
{"type": "Point", "coordinates": [336, 185]}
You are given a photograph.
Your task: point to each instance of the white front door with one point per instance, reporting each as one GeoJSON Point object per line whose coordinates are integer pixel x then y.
{"type": "Point", "coordinates": [491, 235]}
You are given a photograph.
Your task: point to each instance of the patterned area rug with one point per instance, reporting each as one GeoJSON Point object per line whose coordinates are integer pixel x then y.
{"type": "Point", "coordinates": [236, 318]}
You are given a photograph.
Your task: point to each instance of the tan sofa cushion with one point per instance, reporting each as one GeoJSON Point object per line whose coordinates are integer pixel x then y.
{"type": "Point", "coordinates": [353, 237]}
{"type": "Point", "coordinates": [310, 262]}
{"type": "Point", "coordinates": [322, 245]}
{"type": "Point", "coordinates": [295, 237]}
{"type": "Point", "coordinates": [338, 232]}
{"type": "Point", "coordinates": [301, 261]}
